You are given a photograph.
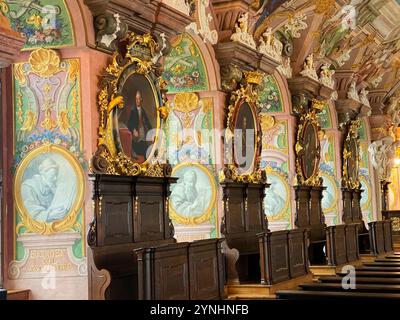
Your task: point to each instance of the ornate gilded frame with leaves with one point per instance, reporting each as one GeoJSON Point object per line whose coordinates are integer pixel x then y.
{"type": "Point", "coordinates": [138, 55]}
{"type": "Point", "coordinates": [351, 155]}
{"type": "Point", "coordinates": [309, 118]}
{"type": "Point", "coordinates": [245, 94]}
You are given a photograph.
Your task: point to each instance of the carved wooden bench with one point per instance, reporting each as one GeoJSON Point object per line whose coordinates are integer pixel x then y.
{"type": "Point", "coordinates": [182, 271]}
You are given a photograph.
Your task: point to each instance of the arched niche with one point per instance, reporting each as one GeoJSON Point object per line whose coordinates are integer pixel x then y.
{"type": "Point", "coordinates": [329, 165]}
{"type": "Point", "coordinates": [184, 67]}
{"type": "Point", "coordinates": [54, 24]}
{"type": "Point", "coordinates": [277, 127]}
{"type": "Point", "coordinates": [192, 81]}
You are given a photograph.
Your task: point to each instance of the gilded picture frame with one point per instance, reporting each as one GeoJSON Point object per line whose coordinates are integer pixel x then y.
{"type": "Point", "coordinates": [136, 65]}
{"type": "Point", "coordinates": [69, 219]}
{"type": "Point", "coordinates": [351, 157]}
{"type": "Point", "coordinates": [308, 147]}
{"type": "Point", "coordinates": [245, 97]}
{"type": "Point", "coordinates": [207, 212]}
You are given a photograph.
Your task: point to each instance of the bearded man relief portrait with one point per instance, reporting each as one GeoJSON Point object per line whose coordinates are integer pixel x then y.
{"type": "Point", "coordinates": [49, 187]}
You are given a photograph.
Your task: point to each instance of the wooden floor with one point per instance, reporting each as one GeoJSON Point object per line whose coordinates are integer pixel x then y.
{"type": "Point", "coordinates": [375, 280]}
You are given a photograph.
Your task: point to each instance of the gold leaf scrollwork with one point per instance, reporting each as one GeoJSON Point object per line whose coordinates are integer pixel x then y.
{"type": "Point", "coordinates": [139, 58]}
{"type": "Point", "coordinates": [246, 93]}
{"type": "Point", "coordinates": [45, 62]}
{"type": "Point", "coordinates": [306, 119]}
{"type": "Point", "coordinates": [351, 179]}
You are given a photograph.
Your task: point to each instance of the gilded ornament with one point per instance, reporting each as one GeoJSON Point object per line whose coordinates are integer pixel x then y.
{"type": "Point", "coordinates": [246, 93]}
{"type": "Point", "coordinates": [45, 62]}
{"type": "Point", "coordinates": [267, 122]}
{"type": "Point", "coordinates": [253, 77]}
{"type": "Point", "coordinates": [351, 180]}
{"type": "Point", "coordinates": [186, 102]}
{"type": "Point", "coordinates": [324, 7]}
{"type": "Point", "coordinates": [140, 58]}
{"type": "Point", "coordinates": [29, 122]}
{"type": "Point", "coordinates": [19, 73]}
{"type": "Point", "coordinates": [63, 121]}
{"type": "Point", "coordinates": [306, 119]}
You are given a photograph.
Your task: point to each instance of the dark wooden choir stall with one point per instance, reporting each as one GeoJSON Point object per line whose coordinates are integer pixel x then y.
{"type": "Point", "coordinates": [132, 251]}
{"type": "Point", "coordinates": [377, 273]}
{"type": "Point", "coordinates": [330, 247]}
{"type": "Point", "coordinates": [258, 261]}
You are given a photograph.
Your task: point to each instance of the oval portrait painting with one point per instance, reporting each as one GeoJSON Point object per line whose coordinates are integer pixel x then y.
{"type": "Point", "coordinates": [245, 138]}
{"type": "Point", "coordinates": [138, 121]}
{"type": "Point", "coordinates": [276, 197]}
{"type": "Point", "coordinates": [49, 185]}
{"type": "Point", "coordinates": [310, 150]}
{"type": "Point", "coordinates": [193, 196]}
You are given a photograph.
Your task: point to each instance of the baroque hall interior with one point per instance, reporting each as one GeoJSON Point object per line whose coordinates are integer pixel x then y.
{"type": "Point", "coordinates": [199, 149]}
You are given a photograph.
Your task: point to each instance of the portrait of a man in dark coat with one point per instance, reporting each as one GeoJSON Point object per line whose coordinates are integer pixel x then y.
{"type": "Point", "coordinates": [139, 125]}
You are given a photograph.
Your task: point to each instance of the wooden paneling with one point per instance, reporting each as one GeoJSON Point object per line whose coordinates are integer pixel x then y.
{"type": "Point", "coordinates": [129, 213]}
{"type": "Point", "coordinates": [283, 255]}
{"type": "Point", "coordinates": [342, 244]}
{"type": "Point", "coordinates": [181, 271]}
{"type": "Point", "coordinates": [336, 245]}
{"type": "Point", "coordinates": [352, 242]}
{"type": "Point", "coordinates": [298, 252]}
{"type": "Point", "coordinates": [387, 234]}
{"type": "Point", "coordinates": [381, 239]}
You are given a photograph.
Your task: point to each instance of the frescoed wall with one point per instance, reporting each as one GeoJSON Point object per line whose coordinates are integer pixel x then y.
{"type": "Point", "coordinates": [270, 98]}
{"type": "Point", "coordinates": [190, 149]}
{"type": "Point", "coordinates": [365, 175]}
{"type": "Point", "coordinates": [44, 23]}
{"type": "Point", "coordinates": [49, 170]}
{"type": "Point", "coordinates": [328, 167]}
{"type": "Point", "coordinates": [185, 70]}
{"type": "Point", "coordinates": [190, 146]}
{"type": "Point", "coordinates": [275, 155]}
{"type": "Point", "coordinates": [394, 189]}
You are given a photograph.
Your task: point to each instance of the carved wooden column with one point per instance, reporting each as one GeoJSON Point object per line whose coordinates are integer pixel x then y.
{"type": "Point", "coordinates": [302, 197]}
{"type": "Point", "coordinates": [347, 198]}
{"type": "Point", "coordinates": [307, 100]}
{"type": "Point", "coordinates": [357, 213]}
{"type": "Point", "coordinates": [317, 219]}
{"type": "Point", "coordinates": [385, 195]}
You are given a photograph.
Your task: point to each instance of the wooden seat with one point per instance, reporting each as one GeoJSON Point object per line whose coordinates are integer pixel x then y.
{"type": "Point", "coordinates": [393, 256]}
{"type": "Point", "coordinates": [373, 274]}
{"type": "Point", "coordinates": [363, 287]}
{"type": "Point", "coordinates": [386, 259]}
{"type": "Point", "coordinates": [18, 294]}
{"type": "Point", "coordinates": [133, 254]}
{"type": "Point", "coordinates": [382, 264]}
{"type": "Point", "coordinates": [371, 280]}
{"type": "Point", "coordinates": [383, 269]}
{"type": "Point", "coordinates": [323, 295]}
